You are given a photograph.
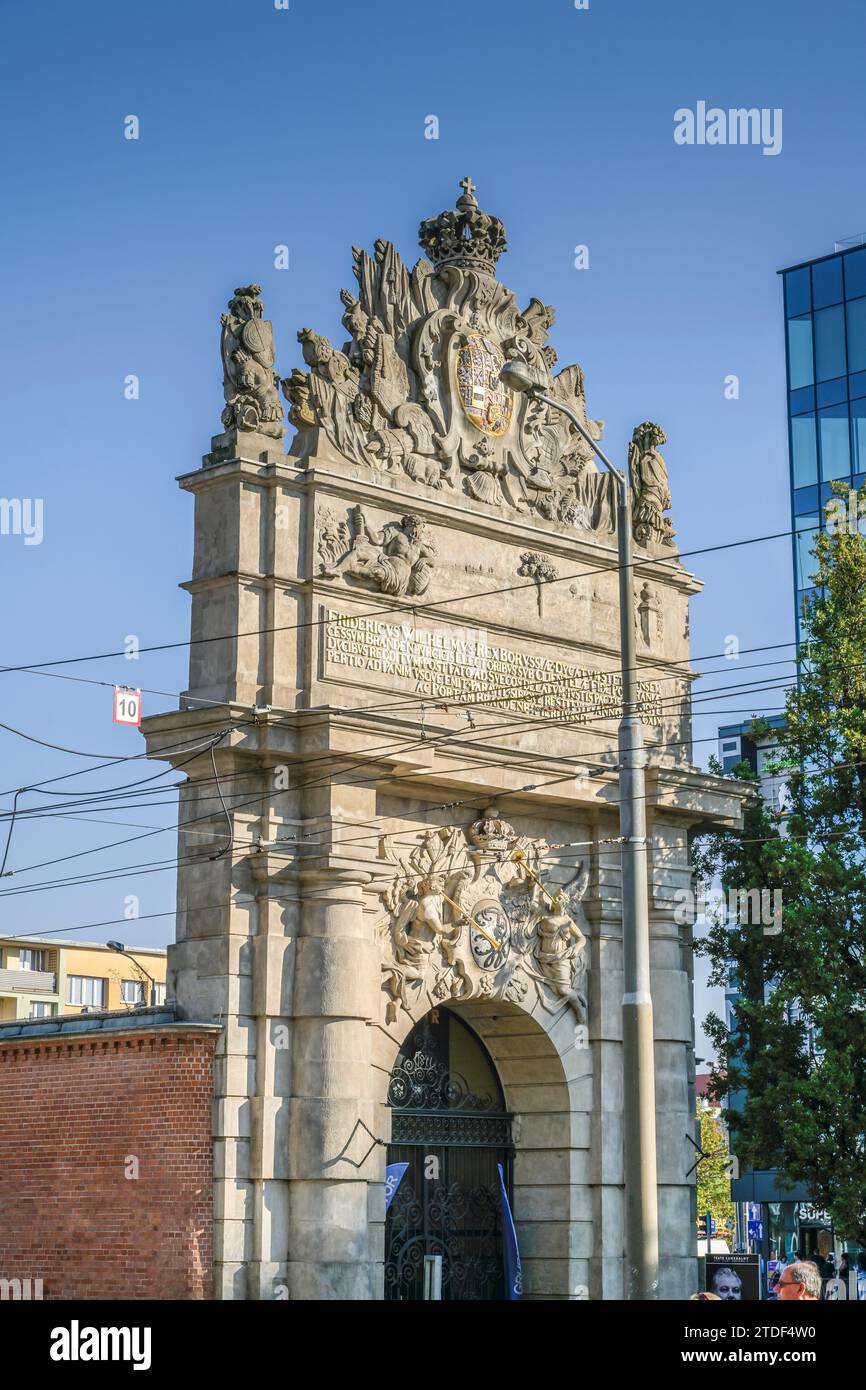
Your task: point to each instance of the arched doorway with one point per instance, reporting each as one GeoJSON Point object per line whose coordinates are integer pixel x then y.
{"type": "Point", "coordinates": [451, 1129]}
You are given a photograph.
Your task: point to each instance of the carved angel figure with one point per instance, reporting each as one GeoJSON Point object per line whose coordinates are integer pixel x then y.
{"type": "Point", "coordinates": [649, 480]}
{"type": "Point", "coordinates": [249, 380]}
{"type": "Point", "coordinates": [484, 469]}
{"type": "Point", "coordinates": [559, 954]}
{"type": "Point", "coordinates": [468, 917]}
{"type": "Point", "coordinates": [427, 918]}
{"type": "Point", "coordinates": [558, 943]}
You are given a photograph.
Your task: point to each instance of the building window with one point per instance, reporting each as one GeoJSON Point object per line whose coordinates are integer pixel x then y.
{"type": "Point", "coordinates": [32, 960]}
{"type": "Point", "coordinates": [159, 994]}
{"type": "Point", "coordinates": [857, 385]}
{"type": "Point", "coordinates": [804, 451]}
{"type": "Point", "coordinates": [807, 530]}
{"type": "Point", "coordinates": [132, 991]}
{"type": "Point", "coordinates": [858, 435]}
{"type": "Point", "coordinates": [857, 335]}
{"type": "Point", "coordinates": [855, 274]}
{"type": "Point", "coordinates": [802, 400]}
{"type": "Point", "coordinates": [833, 392]}
{"type": "Point", "coordinates": [800, 353]}
{"type": "Point", "coordinates": [835, 455]}
{"type": "Point", "coordinates": [798, 293]}
{"type": "Point", "coordinates": [827, 282]}
{"type": "Point", "coordinates": [85, 989]}
{"type": "Point", "coordinates": [42, 1010]}
{"type": "Point", "coordinates": [830, 343]}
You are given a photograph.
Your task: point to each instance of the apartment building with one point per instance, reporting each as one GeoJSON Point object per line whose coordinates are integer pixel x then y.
{"type": "Point", "coordinates": [41, 977]}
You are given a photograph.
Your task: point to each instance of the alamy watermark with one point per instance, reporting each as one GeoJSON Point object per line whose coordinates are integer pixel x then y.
{"type": "Point", "coordinates": [846, 512]}
{"type": "Point", "coordinates": [22, 516]}
{"type": "Point", "coordinates": [712, 125]}
{"type": "Point", "coordinates": [16, 1289]}
{"type": "Point", "coordinates": [747, 906]}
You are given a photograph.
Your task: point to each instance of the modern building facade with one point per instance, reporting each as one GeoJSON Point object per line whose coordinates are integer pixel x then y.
{"type": "Point", "coordinates": [739, 743]}
{"type": "Point", "coordinates": [41, 977]}
{"type": "Point", "coordinates": [825, 312]}
{"type": "Point", "coordinates": [825, 316]}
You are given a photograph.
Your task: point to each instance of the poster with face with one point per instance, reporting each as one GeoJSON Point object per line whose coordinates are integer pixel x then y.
{"type": "Point", "coordinates": [734, 1278]}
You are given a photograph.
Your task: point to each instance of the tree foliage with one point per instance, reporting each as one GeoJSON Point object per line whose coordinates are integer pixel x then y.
{"type": "Point", "coordinates": [713, 1183]}
{"type": "Point", "coordinates": [797, 1045]}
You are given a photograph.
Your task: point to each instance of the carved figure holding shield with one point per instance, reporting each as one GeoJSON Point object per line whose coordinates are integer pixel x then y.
{"type": "Point", "coordinates": [249, 380]}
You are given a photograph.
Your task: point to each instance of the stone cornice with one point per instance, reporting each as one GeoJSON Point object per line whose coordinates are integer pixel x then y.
{"type": "Point", "coordinates": [437, 507]}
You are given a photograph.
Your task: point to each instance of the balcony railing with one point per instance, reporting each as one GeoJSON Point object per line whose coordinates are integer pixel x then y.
{"type": "Point", "coordinates": [28, 981]}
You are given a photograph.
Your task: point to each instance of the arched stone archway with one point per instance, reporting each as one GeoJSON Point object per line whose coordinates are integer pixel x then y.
{"type": "Point", "coordinates": [543, 1066]}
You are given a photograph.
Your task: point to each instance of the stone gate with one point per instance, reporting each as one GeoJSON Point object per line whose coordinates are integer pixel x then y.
{"type": "Point", "coordinates": [400, 744]}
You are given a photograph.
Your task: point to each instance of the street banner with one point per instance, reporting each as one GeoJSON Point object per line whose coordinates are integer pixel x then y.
{"type": "Point", "coordinates": [513, 1270]}
{"type": "Point", "coordinates": [393, 1175]}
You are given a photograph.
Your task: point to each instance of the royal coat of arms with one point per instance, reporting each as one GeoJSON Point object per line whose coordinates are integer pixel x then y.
{"type": "Point", "coordinates": [469, 915]}
{"type": "Point", "coordinates": [416, 391]}
{"type": "Point", "coordinates": [487, 402]}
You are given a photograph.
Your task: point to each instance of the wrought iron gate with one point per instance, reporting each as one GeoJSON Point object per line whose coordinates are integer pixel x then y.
{"type": "Point", "coordinates": [452, 1134]}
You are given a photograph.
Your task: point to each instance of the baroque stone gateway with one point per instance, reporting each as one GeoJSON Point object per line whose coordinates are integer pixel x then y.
{"type": "Point", "coordinates": [399, 887]}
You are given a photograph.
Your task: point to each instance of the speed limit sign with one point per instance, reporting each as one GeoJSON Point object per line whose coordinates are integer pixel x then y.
{"type": "Point", "coordinates": [127, 705]}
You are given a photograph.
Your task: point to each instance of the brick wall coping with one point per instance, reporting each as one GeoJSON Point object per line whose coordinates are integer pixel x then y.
{"type": "Point", "coordinates": [114, 1022]}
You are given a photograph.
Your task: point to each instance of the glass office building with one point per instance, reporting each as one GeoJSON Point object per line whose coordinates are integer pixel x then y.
{"type": "Point", "coordinates": [825, 313]}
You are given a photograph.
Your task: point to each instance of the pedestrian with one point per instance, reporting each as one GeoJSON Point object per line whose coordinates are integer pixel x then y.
{"type": "Point", "coordinates": [801, 1280]}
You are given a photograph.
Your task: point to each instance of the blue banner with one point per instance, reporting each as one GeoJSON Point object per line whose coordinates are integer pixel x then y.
{"type": "Point", "coordinates": [511, 1254]}
{"type": "Point", "coordinates": [393, 1175]}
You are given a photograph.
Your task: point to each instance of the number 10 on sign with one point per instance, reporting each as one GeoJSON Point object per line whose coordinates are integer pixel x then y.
{"type": "Point", "coordinates": [127, 706]}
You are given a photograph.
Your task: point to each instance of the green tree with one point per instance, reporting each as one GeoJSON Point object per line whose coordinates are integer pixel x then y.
{"type": "Point", "coordinates": [794, 1061]}
{"type": "Point", "coordinates": [713, 1184]}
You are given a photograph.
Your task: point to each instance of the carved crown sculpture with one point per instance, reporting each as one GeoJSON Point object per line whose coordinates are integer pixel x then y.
{"type": "Point", "coordinates": [416, 392]}
{"type": "Point", "coordinates": [465, 237]}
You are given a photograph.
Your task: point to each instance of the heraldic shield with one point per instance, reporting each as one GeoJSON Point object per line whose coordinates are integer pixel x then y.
{"type": "Point", "coordinates": [488, 404]}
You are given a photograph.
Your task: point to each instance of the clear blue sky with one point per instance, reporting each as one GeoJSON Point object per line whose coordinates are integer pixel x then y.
{"type": "Point", "coordinates": [306, 127]}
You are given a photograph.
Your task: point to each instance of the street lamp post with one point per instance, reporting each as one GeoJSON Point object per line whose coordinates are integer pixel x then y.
{"type": "Point", "coordinates": [639, 1116]}
{"type": "Point", "coordinates": [121, 950]}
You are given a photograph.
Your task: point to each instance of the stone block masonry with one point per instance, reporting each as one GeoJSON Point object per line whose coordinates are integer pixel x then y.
{"type": "Point", "coordinates": [106, 1161]}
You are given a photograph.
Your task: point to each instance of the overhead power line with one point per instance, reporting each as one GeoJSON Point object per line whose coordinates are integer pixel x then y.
{"type": "Point", "coordinates": [410, 607]}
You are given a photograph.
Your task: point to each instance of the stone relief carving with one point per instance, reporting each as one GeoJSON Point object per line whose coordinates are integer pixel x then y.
{"type": "Point", "coordinates": [334, 540]}
{"type": "Point", "coordinates": [249, 380]}
{"type": "Point", "coordinates": [396, 560]}
{"type": "Point", "coordinates": [468, 915]}
{"type": "Point", "coordinates": [649, 614]}
{"type": "Point", "coordinates": [651, 495]}
{"type": "Point", "coordinates": [539, 568]}
{"type": "Point", "coordinates": [415, 390]}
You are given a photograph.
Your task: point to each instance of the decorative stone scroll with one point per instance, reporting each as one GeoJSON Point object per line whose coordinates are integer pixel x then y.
{"type": "Point", "coordinates": [416, 391]}
{"type": "Point", "coordinates": [469, 915]}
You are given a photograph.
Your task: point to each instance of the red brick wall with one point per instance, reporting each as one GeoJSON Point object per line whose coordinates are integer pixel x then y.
{"type": "Point", "coordinates": [73, 1111]}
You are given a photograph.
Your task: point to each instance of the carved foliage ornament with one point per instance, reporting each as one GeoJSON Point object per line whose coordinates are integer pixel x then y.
{"type": "Point", "coordinates": [415, 388]}
{"type": "Point", "coordinates": [469, 915]}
